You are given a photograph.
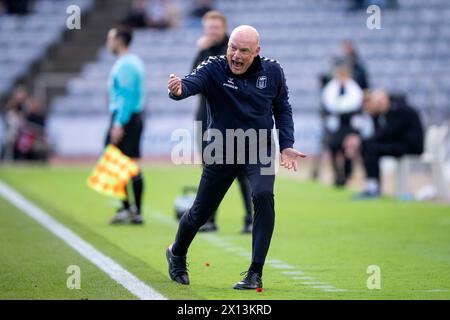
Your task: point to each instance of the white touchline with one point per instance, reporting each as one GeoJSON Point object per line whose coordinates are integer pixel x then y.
{"type": "Point", "coordinates": [292, 272]}
{"type": "Point", "coordinates": [104, 263]}
{"type": "Point", "coordinates": [325, 286]}
{"type": "Point", "coordinates": [276, 264]}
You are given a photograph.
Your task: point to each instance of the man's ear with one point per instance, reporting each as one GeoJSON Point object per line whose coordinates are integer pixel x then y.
{"type": "Point", "coordinates": [258, 50]}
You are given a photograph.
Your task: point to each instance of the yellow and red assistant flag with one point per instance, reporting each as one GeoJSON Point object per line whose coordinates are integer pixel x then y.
{"type": "Point", "coordinates": [112, 173]}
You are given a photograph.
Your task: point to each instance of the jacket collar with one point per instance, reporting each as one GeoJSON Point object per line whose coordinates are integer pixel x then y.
{"type": "Point", "coordinates": [255, 67]}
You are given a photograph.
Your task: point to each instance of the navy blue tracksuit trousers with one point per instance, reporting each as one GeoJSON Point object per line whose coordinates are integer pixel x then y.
{"type": "Point", "coordinates": [215, 182]}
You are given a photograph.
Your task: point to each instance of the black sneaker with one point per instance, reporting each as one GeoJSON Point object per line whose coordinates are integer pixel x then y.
{"type": "Point", "coordinates": [177, 268]}
{"type": "Point", "coordinates": [248, 228]}
{"type": "Point", "coordinates": [251, 281]}
{"type": "Point", "coordinates": [208, 227]}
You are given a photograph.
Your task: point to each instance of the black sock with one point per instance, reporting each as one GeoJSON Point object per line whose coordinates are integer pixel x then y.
{"type": "Point", "coordinates": [126, 204]}
{"type": "Point", "coordinates": [257, 268]}
{"type": "Point", "coordinates": [138, 188]}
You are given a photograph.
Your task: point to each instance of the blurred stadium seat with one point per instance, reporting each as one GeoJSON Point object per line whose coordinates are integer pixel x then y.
{"type": "Point", "coordinates": [25, 39]}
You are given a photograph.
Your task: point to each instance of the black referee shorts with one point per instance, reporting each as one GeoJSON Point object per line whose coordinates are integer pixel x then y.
{"type": "Point", "coordinates": [130, 145]}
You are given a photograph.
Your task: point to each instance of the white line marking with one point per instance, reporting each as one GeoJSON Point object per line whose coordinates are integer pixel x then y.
{"type": "Point", "coordinates": [245, 254]}
{"type": "Point", "coordinates": [104, 263]}
{"type": "Point", "coordinates": [302, 278]}
{"type": "Point", "coordinates": [272, 261]}
{"type": "Point", "coordinates": [281, 266]}
{"type": "Point", "coordinates": [325, 286]}
{"type": "Point", "coordinates": [292, 272]}
{"type": "Point", "coordinates": [335, 290]}
{"type": "Point", "coordinates": [276, 264]}
{"type": "Point", "coordinates": [233, 249]}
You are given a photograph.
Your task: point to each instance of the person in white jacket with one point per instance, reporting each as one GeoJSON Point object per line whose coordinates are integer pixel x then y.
{"type": "Point", "coordinates": [342, 99]}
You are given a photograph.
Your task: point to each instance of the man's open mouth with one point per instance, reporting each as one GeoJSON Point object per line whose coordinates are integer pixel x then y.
{"type": "Point", "coordinates": [237, 64]}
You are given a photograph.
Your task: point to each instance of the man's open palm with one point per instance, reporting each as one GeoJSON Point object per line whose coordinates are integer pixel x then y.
{"type": "Point", "coordinates": [289, 158]}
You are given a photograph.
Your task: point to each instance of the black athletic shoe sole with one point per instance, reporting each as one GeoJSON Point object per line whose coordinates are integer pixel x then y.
{"type": "Point", "coordinates": [239, 286]}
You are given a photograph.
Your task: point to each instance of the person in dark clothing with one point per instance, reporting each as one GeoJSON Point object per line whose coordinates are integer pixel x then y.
{"type": "Point", "coordinates": [20, 7]}
{"type": "Point", "coordinates": [397, 131]}
{"type": "Point", "coordinates": [342, 99]}
{"type": "Point", "coordinates": [127, 97]}
{"type": "Point", "coordinates": [201, 8]}
{"type": "Point", "coordinates": [363, 4]}
{"type": "Point", "coordinates": [32, 144]}
{"type": "Point", "coordinates": [352, 59]}
{"type": "Point", "coordinates": [137, 17]}
{"type": "Point", "coordinates": [214, 43]}
{"type": "Point", "coordinates": [244, 92]}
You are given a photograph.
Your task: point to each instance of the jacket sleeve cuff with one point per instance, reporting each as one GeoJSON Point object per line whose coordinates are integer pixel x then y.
{"type": "Point", "coordinates": [173, 97]}
{"type": "Point", "coordinates": [285, 145]}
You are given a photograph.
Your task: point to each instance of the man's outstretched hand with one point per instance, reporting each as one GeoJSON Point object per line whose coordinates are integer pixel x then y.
{"type": "Point", "coordinates": [174, 85]}
{"type": "Point", "coordinates": [289, 158]}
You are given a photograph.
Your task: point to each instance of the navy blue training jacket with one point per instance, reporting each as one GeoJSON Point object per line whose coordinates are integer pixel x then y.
{"type": "Point", "coordinates": [252, 100]}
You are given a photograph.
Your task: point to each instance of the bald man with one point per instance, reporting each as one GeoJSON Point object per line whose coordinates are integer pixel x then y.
{"type": "Point", "coordinates": [398, 131]}
{"type": "Point", "coordinates": [243, 91]}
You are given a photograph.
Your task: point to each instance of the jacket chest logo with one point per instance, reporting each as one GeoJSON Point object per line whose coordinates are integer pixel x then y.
{"type": "Point", "coordinates": [261, 83]}
{"type": "Point", "coordinates": [230, 84]}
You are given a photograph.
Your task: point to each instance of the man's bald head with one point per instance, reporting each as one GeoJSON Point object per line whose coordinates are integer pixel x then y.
{"type": "Point", "coordinates": [378, 102]}
{"type": "Point", "coordinates": [247, 33]}
{"type": "Point", "coordinates": [380, 96]}
{"type": "Point", "coordinates": [243, 47]}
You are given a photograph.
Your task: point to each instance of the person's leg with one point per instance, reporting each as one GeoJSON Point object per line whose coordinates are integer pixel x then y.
{"type": "Point", "coordinates": [338, 164]}
{"type": "Point", "coordinates": [334, 164]}
{"type": "Point", "coordinates": [264, 216]}
{"type": "Point", "coordinates": [202, 116]}
{"type": "Point", "coordinates": [247, 197]}
{"type": "Point", "coordinates": [214, 183]}
{"type": "Point", "coordinates": [131, 147]}
{"type": "Point", "coordinates": [348, 168]}
{"type": "Point", "coordinates": [126, 201]}
{"type": "Point", "coordinates": [371, 158]}
{"type": "Point", "coordinates": [122, 214]}
{"type": "Point", "coordinates": [138, 189]}
{"type": "Point", "coordinates": [371, 154]}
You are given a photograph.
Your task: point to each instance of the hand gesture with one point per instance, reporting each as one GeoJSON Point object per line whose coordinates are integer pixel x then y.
{"type": "Point", "coordinates": [175, 85]}
{"type": "Point", "coordinates": [289, 158]}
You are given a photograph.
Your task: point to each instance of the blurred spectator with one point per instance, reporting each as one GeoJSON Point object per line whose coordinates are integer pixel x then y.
{"type": "Point", "coordinates": [20, 7]}
{"type": "Point", "coordinates": [363, 4]}
{"type": "Point", "coordinates": [158, 14]}
{"type": "Point", "coordinates": [398, 131]}
{"type": "Point", "coordinates": [201, 7]}
{"type": "Point", "coordinates": [2, 8]}
{"type": "Point", "coordinates": [32, 141]}
{"type": "Point", "coordinates": [351, 58]}
{"type": "Point", "coordinates": [214, 41]}
{"type": "Point", "coordinates": [342, 99]}
{"type": "Point", "coordinates": [13, 120]}
{"type": "Point", "coordinates": [137, 17]}
{"type": "Point", "coordinates": [162, 14]}
{"type": "Point", "coordinates": [24, 136]}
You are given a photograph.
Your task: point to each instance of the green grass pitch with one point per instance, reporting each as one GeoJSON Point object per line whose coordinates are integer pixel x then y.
{"type": "Point", "coordinates": [321, 249]}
